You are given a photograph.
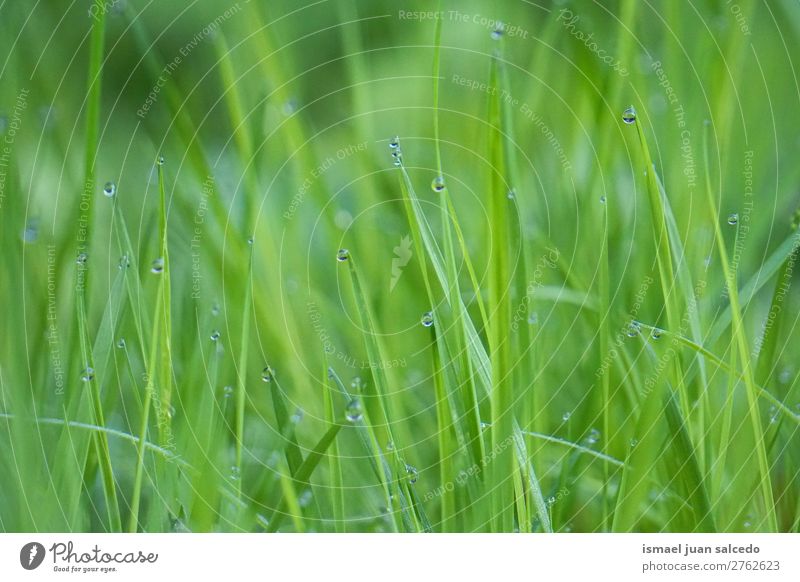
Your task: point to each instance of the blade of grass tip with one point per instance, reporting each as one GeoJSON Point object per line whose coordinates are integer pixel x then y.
{"type": "Point", "coordinates": [334, 460]}
{"type": "Point", "coordinates": [294, 457]}
{"type": "Point", "coordinates": [365, 430]}
{"type": "Point", "coordinates": [162, 268]}
{"type": "Point", "coordinates": [470, 366]}
{"type": "Point", "coordinates": [525, 467]}
{"type": "Point", "coordinates": [241, 376]}
{"type": "Point", "coordinates": [304, 473]}
{"type": "Point", "coordinates": [377, 403]}
{"type": "Point", "coordinates": [719, 363]}
{"type": "Point", "coordinates": [149, 392]}
{"type": "Point", "coordinates": [739, 336]}
{"type": "Point", "coordinates": [502, 397]}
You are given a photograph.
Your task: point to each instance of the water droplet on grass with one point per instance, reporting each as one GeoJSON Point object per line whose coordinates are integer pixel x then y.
{"type": "Point", "coordinates": [160, 160]}
{"type": "Point", "coordinates": [88, 374]}
{"type": "Point", "coordinates": [733, 219]}
{"type": "Point", "coordinates": [412, 473]}
{"type": "Point", "coordinates": [31, 233]}
{"type": "Point", "coordinates": [394, 143]}
{"type": "Point", "coordinates": [82, 258]}
{"type": "Point", "coordinates": [602, 199]}
{"type": "Point", "coordinates": [497, 33]}
{"type": "Point", "coordinates": [357, 384]}
{"type": "Point", "coordinates": [438, 184]}
{"type": "Point", "coordinates": [533, 318]}
{"type": "Point", "coordinates": [593, 437]}
{"type": "Point", "coordinates": [353, 411]}
{"type": "Point", "coordinates": [634, 328]}
{"type": "Point", "coordinates": [157, 266]}
{"type": "Point", "coordinates": [124, 262]}
{"type": "Point", "coordinates": [565, 416]}
{"type": "Point", "coordinates": [267, 374]}
{"type": "Point", "coordinates": [121, 343]}
{"type": "Point", "coordinates": [629, 115]}
{"type": "Point", "coordinates": [343, 255]}
{"type": "Point", "coordinates": [634, 442]}
{"type": "Point", "coordinates": [304, 499]}
{"type": "Point", "coordinates": [235, 473]}
{"type": "Point", "coordinates": [656, 334]}
{"type": "Point", "coordinates": [427, 319]}
{"type": "Point", "coordinates": [227, 391]}
{"type": "Point", "coordinates": [110, 189]}
{"type": "Point", "coordinates": [215, 335]}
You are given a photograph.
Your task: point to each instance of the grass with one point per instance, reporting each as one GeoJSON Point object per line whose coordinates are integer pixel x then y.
{"type": "Point", "coordinates": [522, 313]}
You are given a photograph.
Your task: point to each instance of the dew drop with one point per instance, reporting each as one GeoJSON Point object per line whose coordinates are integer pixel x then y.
{"type": "Point", "coordinates": [357, 384]}
{"type": "Point", "coordinates": [733, 219]}
{"type": "Point", "coordinates": [267, 374]}
{"type": "Point", "coordinates": [390, 446]}
{"type": "Point", "coordinates": [593, 437]}
{"type": "Point", "coordinates": [160, 160]}
{"type": "Point", "coordinates": [412, 473]}
{"type": "Point", "coordinates": [88, 374]}
{"type": "Point", "coordinates": [634, 442]}
{"type": "Point", "coordinates": [353, 411]}
{"type": "Point", "coordinates": [157, 266]}
{"type": "Point", "coordinates": [250, 241]}
{"type": "Point", "coordinates": [342, 255]}
{"type": "Point", "coordinates": [565, 417]}
{"type": "Point", "coordinates": [215, 309]}
{"type": "Point", "coordinates": [629, 115]}
{"type": "Point", "coordinates": [394, 143]}
{"type": "Point", "coordinates": [438, 184]}
{"type": "Point", "coordinates": [533, 318]}
{"type": "Point", "coordinates": [31, 232]}
{"type": "Point", "coordinates": [215, 335]}
{"type": "Point", "coordinates": [121, 343]}
{"type": "Point", "coordinates": [297, 417]}
{"type": "Point", "coordinates": [235, 473]}
{"type": "Point", "coordinates": [634, 328]}
{"type": "Point", "coordinates": [551, 500]}
{"type": "Point", "coordinates": [602, 199]}
{"type": "Point", "coordinates": [497, 33]}
{"type": "Point", "coordinates": [227, 391]}
{"type": "Point", "coordinates": [82, 258]}
{"type": "Point", "coordinates": [656, 334]}
{"type": "Point", "coordinates": [124, 262]}
{"type": "Point", "coordinates": [110, 189]}
{"type": "Point", "coordinates": [304, 499]}
{"type": "Point", "coordinates": [427, 319]}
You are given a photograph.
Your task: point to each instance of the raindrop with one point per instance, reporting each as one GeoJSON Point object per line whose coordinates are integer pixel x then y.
{"type": "Point", "coordinates": [342, 255]}
{"type": "Point", "coordinates": [412, 473]}
{"type": "Point", "coordinates": [594, 436]}
{"type": "Point", "coordinates": [427, 319]}
{"type": "Point", "coordinates": [109, 189]}
{"type": "Point", "coordinates": [390, 446]}
{"type": "Point", "coordinates": [124, 262]}
{"type": "Point", "coordinates": [656, 334]}
{"type": "Point", "coordinates": [353, 410]}
{"type": "Point", "coordinates": [215, 309]}
{"type": "Point", "coordinates": [533, 318]}
{"type": "Point", "coordinates": [551, 500]}
{"type": "Point", "coordinates": [629, 115]}
{"type": "Point", "coordinates": [747, 524]}
{"type": "Point", "coordinates": [304, 499]}
{"type": "Point", "coordinates": [398, 158]}
{"type": "Point", "coordinates": [565, 416]}
{"type": "Point", "coordinates": [157, 267]}
{"type": "Point", "coordinates": [160, 160]}
{"type": "Point", "coordinates": [356, 384]}
{"type": "Point", "coordinates": [267, 374]}
{"type": "Point", "coordinates": [250, 241]}
{"type": "Point", "coordinates": [634, 328]}
{"type": "Point", "coordinates": [733, 219]}
{"type": "Point", "coordinates": [297, 417]}
{"type": "Point", "coordinates": [497, 33]}
{"type": "Point", "coordinates": [438, 184]}
{"type": "Point", "coordinates": [31, 232]}
{"type": "Point", "coordinates": [602, 199]}
{"type": "Point", "coordinates": [634, 442]}
{"type": "Point", "coordinates": [227, 391]}
{"type": "Point", "coordinates": [773, 414]}
{"type": "Point", "coordinates": [215, 335]}
{"type": "Point", "coordinates": [235, 473]}
{"type": "Point", "coordinates": [394, 143]}
{"type": "Point", "coordinates": [88, 374]}
{"type": "Point", "coordinates": [485, 425]}
{"type": "Point", "coordinates": [121, 343]}
{"type": "Point", "coordinates": [82, 258]}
